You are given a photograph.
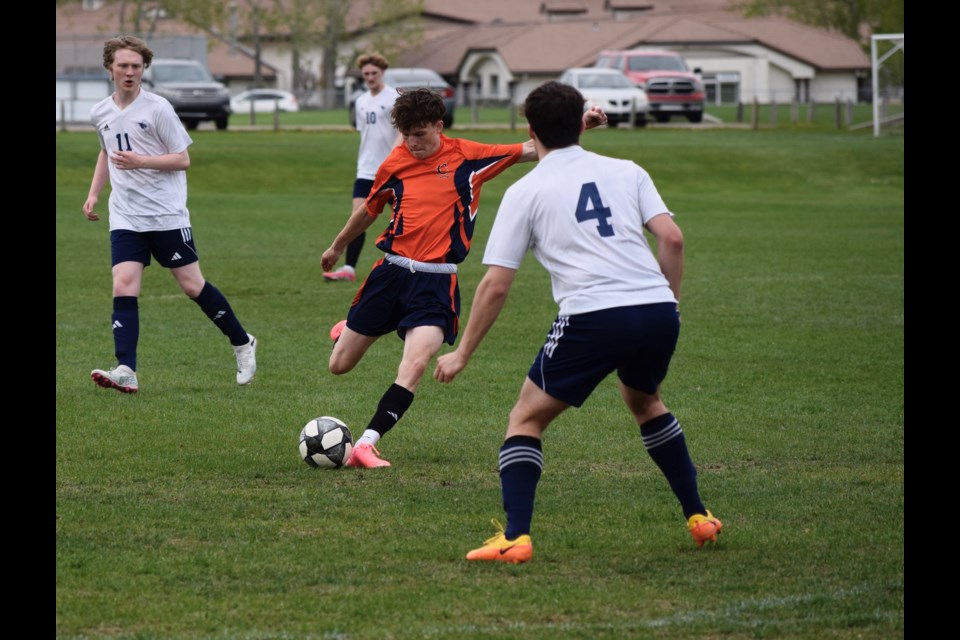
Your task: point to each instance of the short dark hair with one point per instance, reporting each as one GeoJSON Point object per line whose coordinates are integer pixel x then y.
{"type": "Point", "coordinates": [111, 46]}
{"type": "Point", "coordinates": [555, 112]}
{"type": "Point", "coordinates": [416, 108]}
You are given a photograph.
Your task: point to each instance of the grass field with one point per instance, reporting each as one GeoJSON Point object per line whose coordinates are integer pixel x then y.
{"type": "Point", "coordinates": [184, 511]}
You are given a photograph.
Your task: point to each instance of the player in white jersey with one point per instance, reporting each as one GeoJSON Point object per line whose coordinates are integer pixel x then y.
{"type": "Point", "coordinates": [378, 137]}
{"type": "Point", "coordinates": [583, 216]}
{"type": "Point", "coordinates": [143, 154]}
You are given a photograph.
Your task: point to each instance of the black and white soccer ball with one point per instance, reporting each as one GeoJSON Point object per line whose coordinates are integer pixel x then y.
{"type": "Point", "coordinates": [325, 442]}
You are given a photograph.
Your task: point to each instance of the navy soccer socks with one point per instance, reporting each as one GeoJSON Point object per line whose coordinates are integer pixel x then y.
{"type": "Point", "coordinates": [215, 305]}
{"type": "Point", "coordinates": [126, 330]}
{"type": "Point", "coordinates": [521, 463]}
{"type": "Point", "coordinates": [664, 441]}
{"type": "Point", "coordinates": [353, 250]}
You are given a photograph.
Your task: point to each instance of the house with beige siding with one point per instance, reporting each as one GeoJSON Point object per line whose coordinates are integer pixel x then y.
{"type": "Point", "coordinates": [498, 50]}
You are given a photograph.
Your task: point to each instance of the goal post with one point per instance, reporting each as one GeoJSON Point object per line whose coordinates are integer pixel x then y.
{"type": "Point", "coordinates": [892, 43]}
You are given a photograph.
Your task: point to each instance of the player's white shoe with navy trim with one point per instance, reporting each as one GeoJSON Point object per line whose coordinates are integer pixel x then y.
{"type": "Point", "coordinates": [246, 360]}
{"type": "Point", "coordinates": [123, 379]}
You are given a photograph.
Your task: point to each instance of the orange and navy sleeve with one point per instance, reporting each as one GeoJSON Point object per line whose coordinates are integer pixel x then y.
{"type": "Point", "coordinates": [477, 157]}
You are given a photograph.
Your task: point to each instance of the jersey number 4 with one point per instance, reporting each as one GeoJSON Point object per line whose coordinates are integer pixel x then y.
{"type": "Point", "coordinates": [590, 207]}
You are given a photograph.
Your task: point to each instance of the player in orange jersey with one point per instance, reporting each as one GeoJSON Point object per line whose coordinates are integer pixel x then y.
{"type": "Point", "coordinates": [432, 184]}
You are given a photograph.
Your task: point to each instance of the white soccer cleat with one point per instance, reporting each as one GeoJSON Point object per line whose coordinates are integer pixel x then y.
{"type": "Point", "coordinates": [123, 379]}
{"type": "Point", "coordinates": [246, 360]}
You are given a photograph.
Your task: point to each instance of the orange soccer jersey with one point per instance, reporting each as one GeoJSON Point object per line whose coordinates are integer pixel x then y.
{"type": "Point", "coordinates": [435, 200]}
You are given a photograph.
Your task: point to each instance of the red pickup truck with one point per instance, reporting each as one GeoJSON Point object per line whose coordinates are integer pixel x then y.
{"type": "Point", "coordinates": [670, 85]}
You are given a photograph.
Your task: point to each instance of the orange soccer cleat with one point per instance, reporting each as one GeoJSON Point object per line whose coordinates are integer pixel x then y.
{"type": "Point", "coordinates": [704, 527]}
{"type": "Point", "coordinates": [499, 549]}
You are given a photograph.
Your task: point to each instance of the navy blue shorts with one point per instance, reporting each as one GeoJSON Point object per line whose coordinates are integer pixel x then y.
{"type": "Point", "coordinates": [361, 188]}
{"type": "Point", "coordinates": [173, 248]}
{"type": "Point", "coordinates": [581, 350]}
{"type": "Point", "coordinates": [393, 298]}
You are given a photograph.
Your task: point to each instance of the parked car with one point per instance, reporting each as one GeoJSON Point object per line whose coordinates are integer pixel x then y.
{"type": "Point", "coordinates": [672, 88]}
{"type": "Point", "coordinates": [612, 90]}
{"type": "Point", "coordinates": [412, 78]}
{"type": "Point", "coordinates": [190, 88]}
{"type": "Point", "coordinates": [264, 101]}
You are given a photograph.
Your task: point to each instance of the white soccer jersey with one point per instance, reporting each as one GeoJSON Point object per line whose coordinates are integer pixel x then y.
{"type": "Point", "coordinates": [144, 199]}
{"type": "Point", "coordinates": [582, 214]}
{"type": "Point", "coordinates": [377, 135]}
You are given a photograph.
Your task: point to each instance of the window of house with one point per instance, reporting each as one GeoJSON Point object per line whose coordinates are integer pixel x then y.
{"type": "Point", "coordinates": [722, 87]}
{"type": "Point", "coordinates": [494, 87]}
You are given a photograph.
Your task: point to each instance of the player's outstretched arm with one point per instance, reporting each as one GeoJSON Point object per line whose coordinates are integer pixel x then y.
{"type": "Point", "coordinates": [594, 117]}
{"type": "Point", "coordinates": [489, 299]}
{"type": "Point", "coordinates": [669, 249]}
{"type": "Point", "coordinates": [101, 173]}
{"type": "Point", "coordinates": [357, 223]}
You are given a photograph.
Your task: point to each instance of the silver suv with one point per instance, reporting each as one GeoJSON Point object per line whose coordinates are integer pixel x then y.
{"type": "Point", "coordinates": [192, 91]}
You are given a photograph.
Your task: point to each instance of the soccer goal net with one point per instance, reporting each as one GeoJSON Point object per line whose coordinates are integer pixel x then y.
{"type": "Point", "coordinates": [886, 63]}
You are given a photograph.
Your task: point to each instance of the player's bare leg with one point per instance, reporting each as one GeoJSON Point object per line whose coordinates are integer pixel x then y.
{"type": "Point", "coordinates": [348, 350]}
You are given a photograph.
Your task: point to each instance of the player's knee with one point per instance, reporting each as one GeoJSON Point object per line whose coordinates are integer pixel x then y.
{"type": "Point", "coordinates": [126, 286]}
{"type": "Point", "coordinates": [338, 366]}
{"type": "Point", "coordinates": [412, 370]}
{"type": "Point", "coordinates": [192, 290]}
{"type": "Point", "coordinates": [650, 411]}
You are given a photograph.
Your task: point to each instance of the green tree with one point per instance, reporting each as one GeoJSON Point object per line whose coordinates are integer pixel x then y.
{"type": "Point", "coordinates": [390, 26]}
{"type": "Point", "coordinates": [857, 19]}
{"type": "Point", "coordinates": [398, 26]}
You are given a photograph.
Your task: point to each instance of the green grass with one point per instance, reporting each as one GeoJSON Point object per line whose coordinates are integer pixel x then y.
{"type": "Point", "coordinates": [185, 512]}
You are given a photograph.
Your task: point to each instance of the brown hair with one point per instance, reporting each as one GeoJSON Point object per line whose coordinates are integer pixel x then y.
{"type": "Point", "coordinates": [416, 108]}
{"type": "Point", "coordinates": [110, 48]}
{"type": "Point", "coordinates": [375, 59]}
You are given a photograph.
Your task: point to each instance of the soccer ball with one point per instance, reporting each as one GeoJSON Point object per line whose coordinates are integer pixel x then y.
{"type": "Point", "coordinates": [325, 442]}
